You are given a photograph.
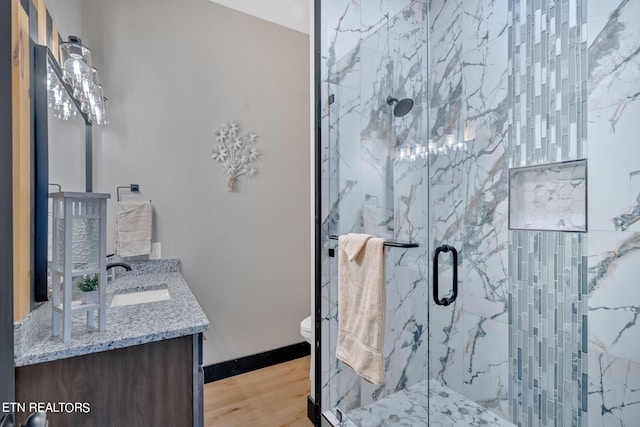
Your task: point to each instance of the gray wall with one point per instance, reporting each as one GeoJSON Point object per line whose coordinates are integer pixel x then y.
{"type": "Point", "coordinates": [6, 211]}
{"type": "Point", "coordinates": [67, 14]}
{"type": "Point", "coordinates": [174, 72]}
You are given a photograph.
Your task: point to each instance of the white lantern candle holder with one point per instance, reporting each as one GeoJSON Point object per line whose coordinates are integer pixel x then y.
{"type": "Point", "coordinates": [79, 250]}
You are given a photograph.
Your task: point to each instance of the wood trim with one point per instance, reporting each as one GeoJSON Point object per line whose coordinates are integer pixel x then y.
{"type": "Point", "coordinates": [42, 21]}
{"type": "Point", "coordinates": [242, 365]}
{"type": "Point", "coordinates": [55, 47]}
{"type": "Point", "coordinates": [7, 384]}
{"type": "Point", "coordinates": [21, 160]}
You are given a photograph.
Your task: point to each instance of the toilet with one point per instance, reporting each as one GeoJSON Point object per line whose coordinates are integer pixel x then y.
{"type": "Point", "coordinates": [305, 329]}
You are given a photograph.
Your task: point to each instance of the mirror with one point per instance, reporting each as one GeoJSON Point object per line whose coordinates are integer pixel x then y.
{"type": "Point", "coordinates": [66, 135]}
{"type": "Point", "coordinates": [62, 159]}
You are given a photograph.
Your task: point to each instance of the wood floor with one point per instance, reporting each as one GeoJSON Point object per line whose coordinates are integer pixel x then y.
{"type": "Point", "coordinates": [269, 397]}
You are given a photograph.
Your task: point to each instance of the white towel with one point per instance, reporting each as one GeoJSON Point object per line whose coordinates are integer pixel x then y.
{"type": "Point", "coordinates": [361, 304]}
{"type": "Point", "coordinates": [133, 229]}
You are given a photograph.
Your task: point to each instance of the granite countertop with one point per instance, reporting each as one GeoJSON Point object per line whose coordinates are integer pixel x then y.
{"type": "Point", "coordinates": [128, 325]}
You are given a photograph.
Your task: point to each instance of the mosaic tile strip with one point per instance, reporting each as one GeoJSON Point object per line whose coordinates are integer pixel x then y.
{"type": "Point", "coordinates": [547, 85]}
{"type": "Point", "coordinates": [547, 81]}
{"type": "Point", "coordinates": [548, 328]}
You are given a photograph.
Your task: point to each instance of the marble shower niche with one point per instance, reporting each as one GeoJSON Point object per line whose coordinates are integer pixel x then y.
{"type": "Point", "coordinates": [550, 197]}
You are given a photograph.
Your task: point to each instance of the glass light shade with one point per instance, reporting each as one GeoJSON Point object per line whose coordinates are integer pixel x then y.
{"type": "Point", "coordinates": [76, 60]}
{"type": "Point", "coordinates": [55, 91]}
{"type": "Point", "coordinates": [83, 78]}
{"type": "Point", "coordinates": [90, 86]}
{"type": "Point", "coordinates": [98, 105]}
{"type": "Point", "coordinates": [103, 119]}
{"type": "Point", "coordinates": [67, 110]}
{"type": "Point", "coordinates": [56, 95]}
{"type": "Point", "coordinates": [52, 78]}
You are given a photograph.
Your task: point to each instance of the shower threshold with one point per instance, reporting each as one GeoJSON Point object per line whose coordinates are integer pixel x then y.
{"type": "Point", "coordinates": [409, 408]}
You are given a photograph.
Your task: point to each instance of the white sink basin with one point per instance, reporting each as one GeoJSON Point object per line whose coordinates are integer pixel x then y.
{"type": "Point", "coordinates": [140, 297]}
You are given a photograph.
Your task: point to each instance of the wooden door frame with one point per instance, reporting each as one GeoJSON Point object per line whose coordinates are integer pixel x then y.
{"type": "Point", "coordinates": [7, 367]}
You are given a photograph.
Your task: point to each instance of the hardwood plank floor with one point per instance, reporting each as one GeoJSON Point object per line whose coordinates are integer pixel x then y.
{"type": "Point", "coordinates": [269, 397]}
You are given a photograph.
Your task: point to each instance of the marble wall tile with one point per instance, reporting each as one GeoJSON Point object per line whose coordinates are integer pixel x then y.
{"type": "Point", "coordinates": [614, 210]}
{"type": "Point", "coordinates": [613, 51]}
{"type": "Point", "coordinates": [445, 44]}
{"type": "Point", "coordinates": [613, 143]}
{"type": "Point", "coordinates": [411, 203]}
{"type": "Point", "coordinates": [486, 183]}
{"type": "Point", "coordinates": [446, 334]}
{"type": "Point", "coordinates": [486, 363]}
{"type": "Point", "coordinates": [484, 21]}
{"type": "Point", "coordinates": [613, 390]}
{"type": "Point", "coordinates": [614, 298]}
{"type": "Point", "coordinates": [377, 77]}
{"type": "Point", "coordinates": [346, 71]}
{"type": "Point", "coordinates": [342, 29]}
{"type": "Point", "coordinates": [405, 346]}
{"type": "Point", "coordinates": [344, 132]}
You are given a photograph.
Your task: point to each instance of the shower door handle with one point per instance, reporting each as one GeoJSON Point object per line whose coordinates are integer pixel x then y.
{"type": "Point", "coordinates": [454, 294]}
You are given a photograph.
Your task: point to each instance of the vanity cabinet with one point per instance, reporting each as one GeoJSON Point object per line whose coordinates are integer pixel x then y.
{"type": "Point", "coordinates": [144, 370]}
{"type": "Point", "coordinates": [153, 384]}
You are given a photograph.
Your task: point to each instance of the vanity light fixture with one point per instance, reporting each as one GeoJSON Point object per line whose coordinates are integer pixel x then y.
{"type": "Point", "coordinates": [82, 80]}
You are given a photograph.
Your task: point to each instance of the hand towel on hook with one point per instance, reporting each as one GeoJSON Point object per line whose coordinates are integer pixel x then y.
{"type": "Point", "coordinates": [133, 229]}
{"type": "Point", "coordinates": [361, 304]}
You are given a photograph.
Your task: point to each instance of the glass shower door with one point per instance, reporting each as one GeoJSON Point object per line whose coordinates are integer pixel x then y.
{"type": "Point", "coordinates": [468, 314]}
{"type": "Point", "coordinates": [375, 171]}
{"type": "Point", "coordinates": [468, 212]}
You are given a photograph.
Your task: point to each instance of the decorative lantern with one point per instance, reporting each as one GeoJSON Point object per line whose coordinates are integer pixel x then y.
{"type": "Point", "coordinates": [79, 259]}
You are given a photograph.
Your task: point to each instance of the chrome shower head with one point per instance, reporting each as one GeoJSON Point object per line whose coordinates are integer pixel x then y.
{"type": "Point", "coordinates": [402, 107]}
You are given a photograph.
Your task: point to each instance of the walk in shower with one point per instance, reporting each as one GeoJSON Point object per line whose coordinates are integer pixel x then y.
{"type": "Point", "coordinates": [498, 134]}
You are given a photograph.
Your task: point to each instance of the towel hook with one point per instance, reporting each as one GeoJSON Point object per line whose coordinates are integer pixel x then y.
{"type": "Point", "coordinates": [134, 188]}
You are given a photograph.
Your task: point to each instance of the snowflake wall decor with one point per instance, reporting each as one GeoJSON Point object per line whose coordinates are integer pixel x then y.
{"type": "Point", "coordinates": [236, 153]}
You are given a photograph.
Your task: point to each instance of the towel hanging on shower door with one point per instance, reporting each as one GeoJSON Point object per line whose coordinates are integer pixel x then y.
{"type": "Point", "coordinates": [361, 304]}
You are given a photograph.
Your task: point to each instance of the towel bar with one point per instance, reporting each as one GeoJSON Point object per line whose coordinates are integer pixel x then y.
{"type": "Point", "coordinates": [134, 188]}
{"type": "Point", "coordinates": [388, 243]}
